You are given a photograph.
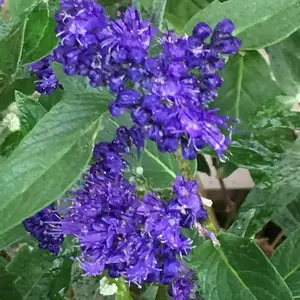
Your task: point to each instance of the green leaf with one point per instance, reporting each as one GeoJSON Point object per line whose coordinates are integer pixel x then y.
{"type": "Point", "coordinates": [275, 192]}
{"type": "Point", "coordinates": [48, 101]}
{"type": "Point", "coordinates": [7, 287]}
{"type": "Point", "coordinates": [158, 12]}
{"type": "Point", "coordinates": [287, 261]}
{"type": "Point", "coordinates": [18, 7]}
{"type": "Point", "coordinates": [275, 114]}
{"type": "Point", "coordinates": [4, 28]}
{"type": "Point", "coordinates": [9, 86]}
{"type": "Point", "coordinates": [12, 236]}
{"type": "Point", "coordinates": [256, 22]}
{"type": "Point", "coordinates": [84, 287]}
{"type": "Point", "coordinates": [288, 217]}
{"type": "Point", "coordinates": [150, 293]}
{"type": "Point", "coordinates": [247, 85]}
{"type": "Point", "coordinates": [202, 165]}
{"type": "Point", "coordinates": [50, 157]}
{"type": "Point", "coordinates": [30, 112]}
{"type": "Point", "coordinates": [40, 38]}
{"type": "Point", "coordinates": [178, 13]}
{"type": "Point", "coordinates": [237, 270]}
{"type": "Point", "coordinates": [284, 61]}
{"type": "Point", "coordinates": [11, 48]}
{"type": "Point", "coordinates": [10, 143]}
{"type": "Point", "coordinates": [40, 274]}
{"type": "Point", "coordinates": [28, 267]}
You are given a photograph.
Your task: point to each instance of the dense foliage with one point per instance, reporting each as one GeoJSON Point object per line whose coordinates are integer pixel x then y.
{"type": "Point", "coordinates": [107, 109]}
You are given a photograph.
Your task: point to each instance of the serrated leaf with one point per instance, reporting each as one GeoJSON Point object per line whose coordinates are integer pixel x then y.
{"type": "Point", "coordinates": [12, 236]}
{"type": "Point", "coordinates": [50, 157]}
{"type": "Point", "coordinates": [237, 270]}
{"type": "Point", "coordinates": [256, 21]}
{"type": "Point", "coordinates": [284, 61]}
{"type": "Point", "coordinates": [287, 261]}
{"type": "Point", "coordinates": [30, 112]}
{"type": "Point", "coordinates": [247, 85]}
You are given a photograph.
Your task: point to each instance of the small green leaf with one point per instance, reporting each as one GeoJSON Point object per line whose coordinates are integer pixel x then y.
{"type": "Point", "coordinates": [287, 261]}
{"type": "Point", "coordinates": [256, 21]}
{"type": "Point", "coordinates": [284, 61]}
{"type": "Point", "coordinates": [30, 112]}
{"type": "Point", "coordinates": [247, 85]}
{"type": "Point", "coordinates": [40, 38]}
{"type": "Point", "coordinates": [12, 236]}
{"type": "Point", "coordinates": [237, 270]}
{"type": "Point", "coordinates": [202, 165]}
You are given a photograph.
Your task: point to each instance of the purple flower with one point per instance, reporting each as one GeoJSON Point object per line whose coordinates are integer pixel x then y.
{"type": "Point", "coordinates": [182, 287]}
{"type": "Point", "coordinates": [45, 226]}
{"type": "Point", "coordinates": [136, 237]}
{"type": "Point", "coordinates": [168, 94]}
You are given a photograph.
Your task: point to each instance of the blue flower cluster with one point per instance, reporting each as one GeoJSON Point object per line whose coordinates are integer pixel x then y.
{"type": "Point", "coordinates": [135, 237]}
{"type": "Point", "coordinates": [168, 94]}
{"type": "Point", "coordinates": [45, 226]}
